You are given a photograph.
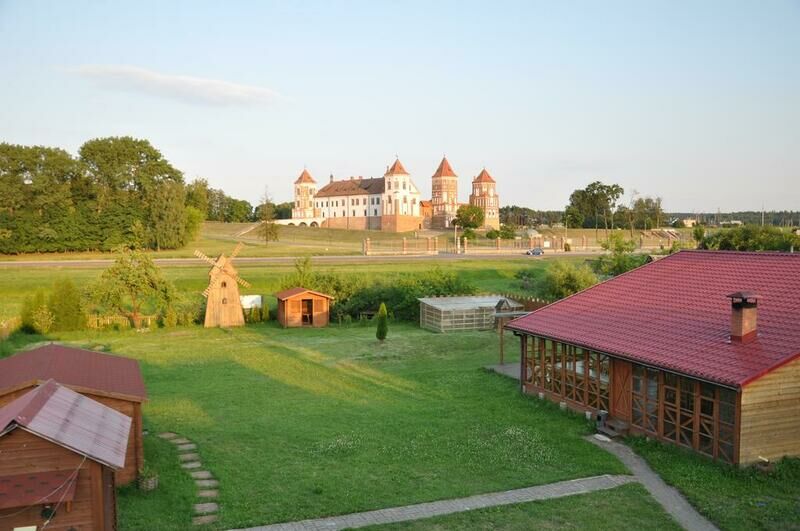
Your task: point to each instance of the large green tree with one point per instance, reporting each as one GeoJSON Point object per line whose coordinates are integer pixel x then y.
{"type": "Point", "coordinates": [469, 217]}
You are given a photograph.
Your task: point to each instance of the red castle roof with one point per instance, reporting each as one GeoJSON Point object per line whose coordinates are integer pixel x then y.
{"type": "Point", "coordinates": [483, 177]}
{"type": "Point", "coordinates": [674, 314]}
{"type": "Point", "coordinates": [305, 177]}
{"type": "Point", "coordinates": [396, 168]}
{"type": "Point", "coordinates": [444, 169]}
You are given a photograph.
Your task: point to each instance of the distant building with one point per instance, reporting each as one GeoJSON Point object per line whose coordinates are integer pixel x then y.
{"type": "Point", "coordinates": [484, 195]}
{"type": "Point", "coordinates": [444, 195]}
{"type": "Point", "coordinates": [390, 203]}
{"type": "Point", "coordinates": [689, 222]}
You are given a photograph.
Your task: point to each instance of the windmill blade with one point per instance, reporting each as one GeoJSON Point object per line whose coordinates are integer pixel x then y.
{"type": "Point", "coordinates": [205, 258]}
{"type": "Point", "coordinates": [237, 250]}
{"type": "Point", "coordinates": [242, 281]}
{"type": "Point", "coordinates": [211, 285]}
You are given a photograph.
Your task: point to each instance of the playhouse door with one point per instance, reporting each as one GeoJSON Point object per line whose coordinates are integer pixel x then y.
{"type": "Point", "coordinates": [621, 390]}
{"type": "Point", "coordinates": [308, 311]}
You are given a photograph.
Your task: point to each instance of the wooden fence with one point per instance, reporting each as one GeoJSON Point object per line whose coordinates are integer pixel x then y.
{"type": "Point", "coordinates": [106, 321]}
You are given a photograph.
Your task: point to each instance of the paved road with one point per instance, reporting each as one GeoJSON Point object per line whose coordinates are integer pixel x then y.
{"type": "Point", "coordinates": [348, 259]}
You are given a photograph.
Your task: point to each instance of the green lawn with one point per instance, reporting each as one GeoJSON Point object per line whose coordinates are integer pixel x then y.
{"type": "Point", "coordinates": [625, 507]}
{"type": "Point", "coordinates": [307, 423]}
{"type": "Point", "coordinates": [732, 498]}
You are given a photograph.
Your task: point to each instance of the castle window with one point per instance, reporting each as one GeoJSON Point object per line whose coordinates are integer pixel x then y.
{"type": "Point", "coordinates": [404, 185]}
{"type": "Point", "coordinates": [375, 212]}
{"type": "Point", "coordinates": [365, 211]}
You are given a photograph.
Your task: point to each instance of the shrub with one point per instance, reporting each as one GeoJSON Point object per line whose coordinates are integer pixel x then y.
{"type": "Point", "coordinates": [66, 304]}
{"type": "Point", "coordinates": [493, 234]}
{"type": "Point", "coordinates": [383, 325]}
{"type": "Point", "coordinates": [563, 279]}
{"type": "Point", "coordinates": [170, 317]}
{"type": "Point", "coordinates": [30, 306]}
{"type": "Point", "coordinates": [42, 320]}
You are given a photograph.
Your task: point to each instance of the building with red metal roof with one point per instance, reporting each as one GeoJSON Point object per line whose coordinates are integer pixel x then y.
{"type": "Point", "coordinates": [58, 453]}
{"type": "Point", "coordinates": [701, 348]}
{"type": "Point", "coordinates": [114, 381]}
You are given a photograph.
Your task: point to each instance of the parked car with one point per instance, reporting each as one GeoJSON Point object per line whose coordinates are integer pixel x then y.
{"type": "Point", "coordinates": [536, 251]}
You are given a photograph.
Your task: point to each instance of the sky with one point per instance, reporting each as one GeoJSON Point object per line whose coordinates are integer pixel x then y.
{"type": "Point", "coordinates": [695, 102]}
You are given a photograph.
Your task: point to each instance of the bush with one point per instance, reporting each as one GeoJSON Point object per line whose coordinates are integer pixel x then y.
{"type": "Point", "coordinates": [562, 279]}
{"type": "Point", "coordinates": [170, 317]}
{"type": "Point", "coordinates": [30, 307]}
{"type": "Point", "coordinates": [42, 320]}
{"type": "Point", "coordinates": [383, 325]}
{"type": "Point", "coordinates": [66, 304]}
{"type": "Point", "coordinates": [493, 234]}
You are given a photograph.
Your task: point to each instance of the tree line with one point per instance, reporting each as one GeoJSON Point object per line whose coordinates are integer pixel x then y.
{"type": "Point", "coordinates": [118, 190]}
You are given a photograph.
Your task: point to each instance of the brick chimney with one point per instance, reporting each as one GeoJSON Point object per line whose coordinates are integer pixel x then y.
{"type": "Point", "coordinates": [744, 316]}
{"type": "Point", "coordinates": [331, 177]}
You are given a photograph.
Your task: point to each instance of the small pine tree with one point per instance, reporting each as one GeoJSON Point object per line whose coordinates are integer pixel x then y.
{"type": "Point", "coordinates": [170, 318]}
{"type": "Point", "coordinates": [383, 323]}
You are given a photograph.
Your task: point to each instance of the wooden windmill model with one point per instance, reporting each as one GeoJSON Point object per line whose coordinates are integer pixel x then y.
{"type": "Point", "coordinates": [223, 306]}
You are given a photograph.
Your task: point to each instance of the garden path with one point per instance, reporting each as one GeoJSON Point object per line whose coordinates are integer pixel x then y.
{"type": "Point", "coordinates": [437, 508]}
{"type": "Point", "coordinates": [207, 508]}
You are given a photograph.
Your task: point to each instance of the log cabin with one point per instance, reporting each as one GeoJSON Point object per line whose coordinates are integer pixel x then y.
{"type": "Point", "coordinates": [303, 307]}
{"type": "Point", "coordinates": [58, 453]}
{"type": "Point", "coordinates": [114, 381]}
{"type": "Point", "coordinates": [700, 349]}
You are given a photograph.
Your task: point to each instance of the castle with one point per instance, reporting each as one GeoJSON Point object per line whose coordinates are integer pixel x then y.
{"type": "Point", "coordinates": [390, 203]}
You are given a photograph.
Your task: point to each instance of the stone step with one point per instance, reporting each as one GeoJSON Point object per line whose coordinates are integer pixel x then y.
{"type": "Point", "coordinates": [206, 508]}
{"type": "Point", "coordinates": [189, 457]}
{"type": "Point", "coordinates": [205, 519]}
{"type": "Point", "coordinates": [201, 474]}
{"type": "Point", "coordinates": [167, 435]}
{"type": "Point", "coordinates": [210, 493]}
{"type": "Point", "coordinates": [193, 464]}
{"type": "Point", "coordinates": [186, 447]}
{"type": "Point", "coordinates": [180, 440]}
{"type": "Point", "coordinates": [206, 483]}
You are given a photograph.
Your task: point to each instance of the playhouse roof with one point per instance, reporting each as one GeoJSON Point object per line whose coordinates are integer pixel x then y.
{"type": "Point", "coordinates": [80, 369]}
{"type": "Point", "coordinates": [294, 292]}
{"type": "Point", "coordinates": [74, 421]}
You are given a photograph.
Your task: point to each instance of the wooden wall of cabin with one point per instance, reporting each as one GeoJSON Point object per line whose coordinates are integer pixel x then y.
{"type": "Point", "coordinates": [770, 415]}
{"type": "Point", "coordinates": [134, 457]}
{"type": "Point", "coordinates": [22, 452]}
{"type": "Point", "coordinates": [290, 311]}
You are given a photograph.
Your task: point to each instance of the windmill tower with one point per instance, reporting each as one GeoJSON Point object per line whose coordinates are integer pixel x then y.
{"type": "Point", "coordinates": [223, 307]}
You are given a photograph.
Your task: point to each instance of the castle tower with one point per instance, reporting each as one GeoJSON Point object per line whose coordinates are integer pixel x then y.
{"type": "Point", "coordinates": [305, 188]}
{"type": "Point", "coordinates": [484, 195]}
{"type": "Point", "coordinates": [401, 201]}
{"type": "Point", "coordinates": [444, 195]}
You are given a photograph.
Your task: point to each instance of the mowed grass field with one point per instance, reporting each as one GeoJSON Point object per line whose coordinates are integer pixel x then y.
{"type": "Point", "coordinates": [304, 423]}
{"type": "Point", "coordinates": [490, 276]}
{"type": "Point", "coordinates": [218, 237]}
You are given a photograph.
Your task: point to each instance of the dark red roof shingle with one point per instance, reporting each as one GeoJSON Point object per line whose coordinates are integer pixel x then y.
{"type": "Point", "coordinates": [674, 314]}
{"type": "Point", "coordinates": [74, 367]}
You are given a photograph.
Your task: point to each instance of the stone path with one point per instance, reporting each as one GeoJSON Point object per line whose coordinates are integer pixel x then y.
{"type": "Point", "coordinates": [437, 508]}
{"type": "Point", "coordinates": [206, 510]}
{"type": "Point", "coordinates": [670, 499]}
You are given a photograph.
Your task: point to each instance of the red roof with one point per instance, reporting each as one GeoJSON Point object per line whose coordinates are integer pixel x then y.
{"type": "Point", "coordinates": [293, 292]}
{"type": "Point", "coordinates": [674, 314]}
{"type": "Point", "coordinates": [352, 186]}
{"type": "Point", "coordinates": [483, 177]}
{"type": "Point", "coordinates": [82, 370]}
{"type": "Point", "coordinates": [444, 169]}
{"type": "Point", "coordinates": [396, 168]}
{"type": "Point", "coordinates": [305, 177]}
{"type": "Point", "coordinates": [66, 418]}
{"type": "Point", "coordinates": [38, 488]}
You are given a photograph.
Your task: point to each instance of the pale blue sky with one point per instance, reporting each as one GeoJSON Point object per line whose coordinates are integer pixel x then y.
{"type": "Point", "coordinates": [698, 102]}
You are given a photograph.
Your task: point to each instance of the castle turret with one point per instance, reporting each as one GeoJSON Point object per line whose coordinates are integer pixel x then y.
{"type": "Point", "coordinates": [484, 195]}
{"type": "Point", "coordinates": [305, 189]}
{"type": "Point", "coordinates": [444, 196]}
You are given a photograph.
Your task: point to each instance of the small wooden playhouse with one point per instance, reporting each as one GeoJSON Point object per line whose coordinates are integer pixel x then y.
{"type": "Point", "coordinates": [58, 454]}
{"type": "Point", "coordinates": [114, 381]}
{"type": "Point", "coordinates": [303, 307]}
